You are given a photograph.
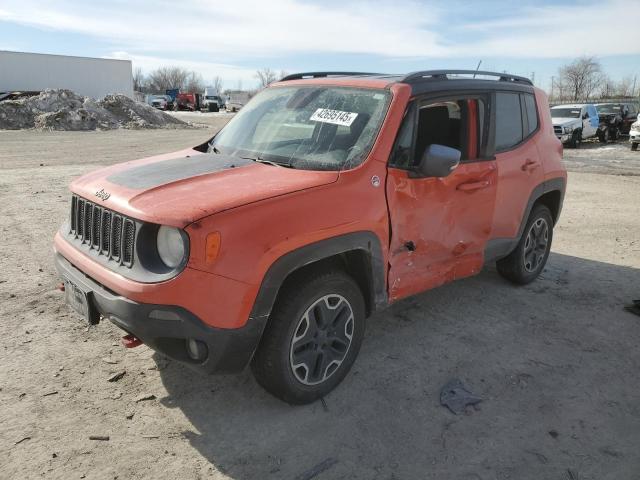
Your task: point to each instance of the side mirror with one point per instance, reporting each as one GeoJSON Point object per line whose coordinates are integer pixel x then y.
{"type": "Point", "coordinates": [438, 161]}
{"type": "Point", "coordinates": [585, 116]}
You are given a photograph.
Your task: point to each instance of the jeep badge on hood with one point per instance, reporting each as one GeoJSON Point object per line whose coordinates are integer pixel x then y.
{"type": "Point", "coordinates": [102, 195]}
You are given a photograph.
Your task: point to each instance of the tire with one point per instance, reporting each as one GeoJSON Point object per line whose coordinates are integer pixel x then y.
{"type": "Point", "coordinates": [525, 263]}
{"type": "Point", "coordinates": [290, 360]}
{"type": "Point", "coordinates": [613, 135]}
{"type": "Point", "coordinates": [576, 139]}
{"type": "Point", "coordinates": [604, 136]}
{"type": "Point", "coordinates": [634, 146]}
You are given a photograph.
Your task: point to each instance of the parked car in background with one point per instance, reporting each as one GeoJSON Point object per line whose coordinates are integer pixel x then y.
{"type": "Point", "coordinates": [330, 198]}
{"type": "Point", "coordinates": [634, 133]}
{"type": "Point", "coordinates": [162, 102]}
{"type": "Point", "coordinates": [236, 100]}
{"type": "Point", "coordinates": [620, 115]}
{"type": "Point", "coordinates": [233, 106]}
{"type": "Point", "coordinates": [574, 123]}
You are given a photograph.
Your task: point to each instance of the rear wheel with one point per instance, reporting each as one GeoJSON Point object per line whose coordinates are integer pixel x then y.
{"type": "Point", "coordinates": [525, 263]}
{"type": "Point", "coordinates": [312, 338]}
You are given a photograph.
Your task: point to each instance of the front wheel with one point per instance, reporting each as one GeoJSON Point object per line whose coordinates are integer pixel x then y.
{"type": "Point", "coordinates": [312, 338]}
{"type": "Point", "coordinates": [603, 136]}
{"type": "Point", "coordinates": [525, 263]}
{"type": "Point", "coordinates": [634, 146]}
{"type": "Point", "coordinates": [576, 139]}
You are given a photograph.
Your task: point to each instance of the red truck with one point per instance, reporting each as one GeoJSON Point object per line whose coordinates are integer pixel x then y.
{"type": "Point", "coordinates": [187, 101]}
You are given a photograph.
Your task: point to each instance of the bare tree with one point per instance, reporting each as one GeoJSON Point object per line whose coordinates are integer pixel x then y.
{"type": "Point", "coordinates": [283, 73]}
{"type": "Point", "coordinates": [580, 78]}
{"type": "Point", "coordinates": [165, 78]}
{"type": "Point", "coordinates": [217, 84]}
{"type": "Point", "coordinates": [139, 81]}
{"type": "Point", "coordinates": [194, 83]}
{"type": "Point", "coordinates": [265, 76]}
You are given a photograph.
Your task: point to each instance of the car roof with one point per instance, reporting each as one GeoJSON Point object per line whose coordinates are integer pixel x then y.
{"type": "Point", "coordinates": [572, 105]}
{"type": "Point", "coordinates": [420, 82]}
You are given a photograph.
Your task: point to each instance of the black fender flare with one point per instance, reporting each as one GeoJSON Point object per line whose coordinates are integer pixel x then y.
{"type": "Point", "coordinates": [498, 248]}
{"type": "Point", "coordinates": [277, 273]}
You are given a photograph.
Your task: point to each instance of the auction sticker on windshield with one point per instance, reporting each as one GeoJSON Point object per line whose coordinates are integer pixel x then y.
{"type": "Point", "coordinates": [335, 117]}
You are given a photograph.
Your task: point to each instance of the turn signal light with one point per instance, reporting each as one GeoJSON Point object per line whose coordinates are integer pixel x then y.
{"type": "Point", "coordinates": [212, 247]}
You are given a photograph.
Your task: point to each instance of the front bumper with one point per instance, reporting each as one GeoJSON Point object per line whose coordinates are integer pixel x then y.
{"type": "Point", "coordinates": [634, 136]}
{"type": "Point", "coordinates": [167, 328]}
{"type": "Point", "coordinates": [564, 138]}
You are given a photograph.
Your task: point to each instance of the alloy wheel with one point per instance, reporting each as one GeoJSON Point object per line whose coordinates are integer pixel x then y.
{"type": "Point", "coordinates": [322, 339]}
{"type": "Point", "coordinates": [536, 244]}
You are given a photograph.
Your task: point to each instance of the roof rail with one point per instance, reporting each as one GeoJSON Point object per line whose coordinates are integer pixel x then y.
{"type": "Point", "coordinates": [426, 75]}
{"type": "Point", "coordinates": [299, 76]}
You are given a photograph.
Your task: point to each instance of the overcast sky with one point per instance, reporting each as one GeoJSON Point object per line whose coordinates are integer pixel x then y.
{"type": "Point", "coordinates": [233, 38]}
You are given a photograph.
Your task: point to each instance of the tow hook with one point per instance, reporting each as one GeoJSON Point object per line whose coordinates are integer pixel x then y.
{"type": "Point", "coordinates": [130, 341]}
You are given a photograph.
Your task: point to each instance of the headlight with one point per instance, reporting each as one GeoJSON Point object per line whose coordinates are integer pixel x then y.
{"type": "Point", "coordinates": [171, 246]}
{"type": "Point", "coordinates": [567, 129]}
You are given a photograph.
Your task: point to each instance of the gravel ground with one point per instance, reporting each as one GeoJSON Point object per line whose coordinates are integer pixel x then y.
{"type": "Point", "coordinates": [556, 362]}
{"type": "Point", "coordinates": [595, 157]}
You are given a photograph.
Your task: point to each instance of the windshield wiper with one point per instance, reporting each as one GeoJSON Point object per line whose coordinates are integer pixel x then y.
{"type": "Point", "coordinates": [268, 162]}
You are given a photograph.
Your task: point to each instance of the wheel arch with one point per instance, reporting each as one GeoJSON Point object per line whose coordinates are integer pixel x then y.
{"type": "Point", "coordinates": [549, 193]}
{"type": "Point", "coordinates": [358, 254]}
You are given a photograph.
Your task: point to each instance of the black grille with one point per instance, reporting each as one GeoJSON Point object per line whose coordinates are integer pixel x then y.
{"type": "Point", "coordinates": [109, 233]}
{"type": "Point", "coordinates": [557, 129]}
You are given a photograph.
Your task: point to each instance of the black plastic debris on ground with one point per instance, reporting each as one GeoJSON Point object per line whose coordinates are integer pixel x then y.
{"type": "Point", "coordinates": [634, 307]}
{"type": "Point", "coordinates": [455, 396]}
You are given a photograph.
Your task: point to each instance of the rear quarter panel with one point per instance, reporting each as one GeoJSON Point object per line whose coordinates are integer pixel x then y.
{"type": "Point", "coordinates": [549, 147]}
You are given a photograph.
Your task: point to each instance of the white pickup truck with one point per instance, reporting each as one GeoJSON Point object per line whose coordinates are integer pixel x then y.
{"type": "Point", "coordinates": [634, 134]}
{"type": "Point", "coordinates": [574, 123]}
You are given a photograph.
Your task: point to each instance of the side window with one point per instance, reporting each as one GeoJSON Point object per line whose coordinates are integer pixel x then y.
{"type": "Point", "coordinates": [452, 123]}
{"type": "Point", "coordinates": [401, 155]}
{"type": "Point", "coordinates": [532, 113]}
{"type": "Point", "coordinates": [508, 120]}
{"type": "Point", "coordinates": [593, 113]}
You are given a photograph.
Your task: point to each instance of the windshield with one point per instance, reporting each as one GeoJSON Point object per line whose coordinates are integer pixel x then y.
{"type": "Point", "coordinates": [608, 108]}
{"type": "Point", "coordinates": [314, 128]}
{"type": "Point", "coordinates": [565, 113]}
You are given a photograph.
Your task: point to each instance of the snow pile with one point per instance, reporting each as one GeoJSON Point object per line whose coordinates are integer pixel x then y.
{"type": "Point", "coordinates": [65, 110]}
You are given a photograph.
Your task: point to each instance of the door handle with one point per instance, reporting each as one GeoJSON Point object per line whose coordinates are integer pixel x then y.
{"type": "Point", "coordinates": [530, 165]}
{"type": "Point", "coordinates": [471, 186]}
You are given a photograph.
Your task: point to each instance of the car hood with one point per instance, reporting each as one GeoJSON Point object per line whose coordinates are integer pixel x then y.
{"type": "Point", "coordinates": [178, 189]}
{"type": "Point", "coordinates": [564, 121]}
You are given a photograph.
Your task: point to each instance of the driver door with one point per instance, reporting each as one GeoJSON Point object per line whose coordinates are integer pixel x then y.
{"type": "Point", "coordinates": [440, 226]}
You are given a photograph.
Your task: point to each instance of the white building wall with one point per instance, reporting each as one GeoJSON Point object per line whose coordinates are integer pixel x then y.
{"type": "Point", "coordinates": [92, 77]}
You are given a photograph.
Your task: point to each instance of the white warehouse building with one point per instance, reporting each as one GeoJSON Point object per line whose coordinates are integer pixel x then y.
{"type": "Point", "coordinates": [92, 77]}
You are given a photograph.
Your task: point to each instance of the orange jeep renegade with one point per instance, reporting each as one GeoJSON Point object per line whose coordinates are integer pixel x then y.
{"type": "Point", "coordinates": [328, 197]}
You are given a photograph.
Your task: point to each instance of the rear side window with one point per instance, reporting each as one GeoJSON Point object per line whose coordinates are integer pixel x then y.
{"type": "Point", "coordinates": [508, 120]}
{"type": "Point", "coordinates": [532, 114]}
